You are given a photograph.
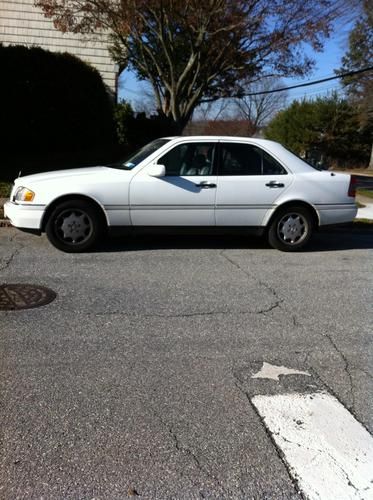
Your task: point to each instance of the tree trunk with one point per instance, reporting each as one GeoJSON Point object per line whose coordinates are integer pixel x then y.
{"type": "Point", "coordinates": [370, 166]}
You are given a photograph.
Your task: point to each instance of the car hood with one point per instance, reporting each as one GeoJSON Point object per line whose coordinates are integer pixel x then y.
{"type": "Point", "coordinates": [29, 180]}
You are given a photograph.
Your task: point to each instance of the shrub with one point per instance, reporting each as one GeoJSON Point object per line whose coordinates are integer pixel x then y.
{"type": "Point", "coordinates": [134, 130]}
{"type": "Point", "coordinates": [327, 127]}
{"type": "Point", "coordinates": [51, 102]}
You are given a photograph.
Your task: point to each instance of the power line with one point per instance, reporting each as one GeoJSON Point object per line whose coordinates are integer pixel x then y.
{"type": "Point", "coordinates": [307, 84]}
{"type": "Point", "coordinates": [313, 91]}
{"type": "Point", "coordinates": [282, 89]}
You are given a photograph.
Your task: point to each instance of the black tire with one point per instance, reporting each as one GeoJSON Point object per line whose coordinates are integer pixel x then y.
{"type": "Point", "coordinates": [74, 226]}
{"type": "Point", "coordinates": [291, 228]}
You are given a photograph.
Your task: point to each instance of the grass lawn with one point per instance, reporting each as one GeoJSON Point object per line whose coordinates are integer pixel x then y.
{"type": "Point", "coordinates": [368, 193]}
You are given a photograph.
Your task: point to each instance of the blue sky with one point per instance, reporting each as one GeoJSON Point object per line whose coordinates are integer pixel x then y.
{"type": "Point", "coordinates": [130, 89]}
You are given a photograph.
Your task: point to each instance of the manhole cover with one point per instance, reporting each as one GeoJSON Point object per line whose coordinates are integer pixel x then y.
{"type": "Point", "coordinates": [19, 296]}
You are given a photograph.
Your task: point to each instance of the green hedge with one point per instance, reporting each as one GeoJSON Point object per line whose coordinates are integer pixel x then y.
{"type": "Point", "coordinates": [328, 127]}
{"type": "Point", "coordinates": [134, 130]}
{"type": "Point", "coordinates": [51, 103]}
{"type": "Point", "coordinates": [55, 112]}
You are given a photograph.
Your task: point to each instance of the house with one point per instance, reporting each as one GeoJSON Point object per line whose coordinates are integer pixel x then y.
{"type": "Point", "coordinates": [21, 23]}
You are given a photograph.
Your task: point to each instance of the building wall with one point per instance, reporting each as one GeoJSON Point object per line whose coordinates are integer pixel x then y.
{"type": "Point", "coordinates": [21, 23]}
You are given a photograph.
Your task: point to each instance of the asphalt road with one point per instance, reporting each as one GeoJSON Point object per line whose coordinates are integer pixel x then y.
{"type": "Point", "coordinates": [137, 379]}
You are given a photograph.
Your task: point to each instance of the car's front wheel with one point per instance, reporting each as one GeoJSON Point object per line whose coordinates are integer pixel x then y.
{"type": "Point", "coordinates": [74, 226]}
{"type": "Point", "coordinates": [290, 229]}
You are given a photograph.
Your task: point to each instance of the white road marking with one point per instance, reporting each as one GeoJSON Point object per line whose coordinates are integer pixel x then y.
{"type": "Point", "coordinates": [330, 453]}
{"type": "Point", "coordinates": [273, 371]}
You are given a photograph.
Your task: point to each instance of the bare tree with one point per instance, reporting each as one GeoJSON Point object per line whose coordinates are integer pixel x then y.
{"type": "Point", "coordinates": [193, 51]}
{"type": "Point", "coordinates": [257, 108]}
{"type": "Point", "coordinates": [214, 110]}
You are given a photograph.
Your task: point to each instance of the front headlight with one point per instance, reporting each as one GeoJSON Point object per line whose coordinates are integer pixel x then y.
{"type": "Point", "coordinates": [24, 194]}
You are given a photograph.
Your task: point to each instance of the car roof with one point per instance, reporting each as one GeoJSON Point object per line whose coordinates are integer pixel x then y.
{"type": "Point", "coordinates": [220, 138]}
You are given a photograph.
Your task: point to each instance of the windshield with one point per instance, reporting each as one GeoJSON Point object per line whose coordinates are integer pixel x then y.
{"type": "Point", "coordinates": [140, 155]}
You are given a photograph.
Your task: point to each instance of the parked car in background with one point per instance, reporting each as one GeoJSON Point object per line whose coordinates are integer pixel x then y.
{"type": "Point", "coordinates": [195, 183]}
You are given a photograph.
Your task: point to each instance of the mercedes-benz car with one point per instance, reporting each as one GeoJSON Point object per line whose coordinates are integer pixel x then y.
{"type": "Point", "coordinates": [196, 183]}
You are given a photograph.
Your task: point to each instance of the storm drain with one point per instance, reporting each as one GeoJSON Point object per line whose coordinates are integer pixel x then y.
{"type": "Point", "coordinates": [22, 296]}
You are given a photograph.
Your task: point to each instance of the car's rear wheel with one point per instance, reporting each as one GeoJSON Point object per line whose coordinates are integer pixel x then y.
{"type": "Point", "coordinates": [290, 229]}
{"type": "Point", "coordinates": [74, 226]}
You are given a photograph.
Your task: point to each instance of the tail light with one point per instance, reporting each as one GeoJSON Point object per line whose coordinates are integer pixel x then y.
{"type": "Point", "coordinates": [352, 186]}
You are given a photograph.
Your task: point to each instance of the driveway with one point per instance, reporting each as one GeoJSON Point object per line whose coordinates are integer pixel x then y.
{"type": "Point", "coordinates": [155, 371]}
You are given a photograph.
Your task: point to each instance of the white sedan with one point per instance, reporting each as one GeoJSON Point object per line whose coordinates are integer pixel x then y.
{"type": "Point", "coordinates": [197, 183]}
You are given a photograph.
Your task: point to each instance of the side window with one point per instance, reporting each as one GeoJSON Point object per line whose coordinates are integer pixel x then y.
{"type": "Point", "coordinates": [240, 159]}
{"type": "Point", "coordinates": [245, 159]}
{"type": "Point", "coordinates": [189, 159]}
{"type": "Point", "coordinates": [272, 166]}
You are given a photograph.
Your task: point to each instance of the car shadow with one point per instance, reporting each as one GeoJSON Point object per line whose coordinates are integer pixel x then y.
{"type": "Point", "coordinates": [323, 241]}
{"type": "Point", "coordinates": [340, 240]}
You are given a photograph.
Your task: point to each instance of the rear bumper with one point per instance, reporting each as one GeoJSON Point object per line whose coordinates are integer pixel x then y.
{"type": "Point", "coordinates": [336, 214]}
{"type": "Point", "coordinates": [26, 217]}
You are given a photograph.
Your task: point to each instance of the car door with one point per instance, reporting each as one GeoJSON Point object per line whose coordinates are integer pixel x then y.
{"type": "Point", "coordinates": [185, 196]}
{"type": "Point", "coordinates": [249, 182]}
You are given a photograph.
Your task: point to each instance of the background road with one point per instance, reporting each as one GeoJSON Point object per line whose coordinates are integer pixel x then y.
{"type": "Point", "coordinates": [137, 379]}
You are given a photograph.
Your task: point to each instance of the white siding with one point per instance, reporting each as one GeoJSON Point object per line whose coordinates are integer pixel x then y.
{"type": "Point", "coordinates": [21, 23]}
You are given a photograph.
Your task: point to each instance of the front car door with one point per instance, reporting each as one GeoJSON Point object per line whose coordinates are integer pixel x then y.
{"type": "Point", "coordinates": [185, 196]}
{"type": "Point", "coordinates": [249, 182]}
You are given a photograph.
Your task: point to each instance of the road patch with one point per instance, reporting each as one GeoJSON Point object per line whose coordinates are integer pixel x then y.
{"type": "Point", "coordinates": [274, 372]}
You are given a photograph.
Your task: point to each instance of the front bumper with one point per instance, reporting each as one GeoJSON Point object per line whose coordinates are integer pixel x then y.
{"type": "Point", "coordinates": [27, 217]}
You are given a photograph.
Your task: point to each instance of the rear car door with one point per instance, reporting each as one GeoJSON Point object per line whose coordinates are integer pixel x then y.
{"type": "Point", "coordinates": [250, 181]}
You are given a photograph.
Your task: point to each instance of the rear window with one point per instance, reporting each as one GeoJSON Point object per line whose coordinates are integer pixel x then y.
{"type": "Point", "coordinates": [314, 166]}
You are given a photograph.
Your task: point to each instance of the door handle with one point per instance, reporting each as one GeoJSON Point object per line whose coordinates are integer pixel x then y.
{"type": "Point", "coordinates": [275, 184]}
{"type": "Point", "coordinates": [206, 185]}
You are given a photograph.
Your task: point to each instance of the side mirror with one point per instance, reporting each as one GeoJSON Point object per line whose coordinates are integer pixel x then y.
{"type": "Point", "coordinates": [156, 170]}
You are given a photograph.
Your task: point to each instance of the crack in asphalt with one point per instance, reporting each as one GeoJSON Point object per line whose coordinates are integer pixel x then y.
{"type": "Point", "coordinates": [346, 367]}
{"type": "Point", "coordinates": [250, 276]}
{"type": "Point", "coordinates": [261, 283]}
{"type": "Point", "coordinates": [183, 315]}
{"type": "Point", "coordinates": [15, 252]}
{"type": "Point", "coordinates": [264, 311]}
{"type": "Point", "coordinates": [181, 448]}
